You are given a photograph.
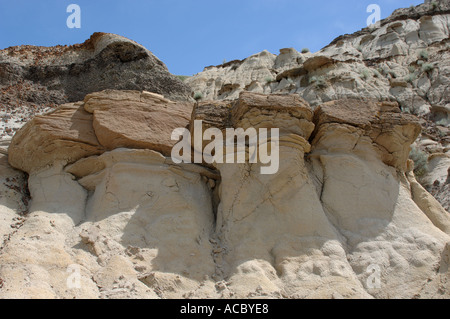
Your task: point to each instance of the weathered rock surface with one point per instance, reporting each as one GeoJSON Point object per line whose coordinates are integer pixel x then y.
{"type": "Point", "coordinates": [367, 196]}
{"type": "Point", "coordinates": [128, 222]}
{"type": "Point", "coordinates": [69, 73]}
{"type": "Point", "coordinates": [104, 121]}
{"type": "Point", "coordinates": [404, 60]}
{"type": "Point", "coordinates": [136, 119]}
{"type": "Point", "coordinates": [102, 211]}
{"type": "Point", "coordinates": [65, 134]}
{"type": "Point", "coordinates": [33, 80]}
{"type": "Point", "coordinates": [390, 131]}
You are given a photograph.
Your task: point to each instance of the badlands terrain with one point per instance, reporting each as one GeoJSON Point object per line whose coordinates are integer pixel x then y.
{"type": "Point", "coordinates": [93, 206]}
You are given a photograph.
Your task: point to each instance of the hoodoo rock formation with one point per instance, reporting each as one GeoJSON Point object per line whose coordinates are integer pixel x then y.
{"type": "Point", "coordinates": [138, 225]}
{"type": "Point", "coordinates": [404, 60]}
{"type": "Point", "coordinates": [92, 205]}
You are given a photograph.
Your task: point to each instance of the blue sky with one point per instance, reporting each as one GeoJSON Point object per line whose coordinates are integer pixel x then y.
{"type": "Point", "coordinates": [188, 35]}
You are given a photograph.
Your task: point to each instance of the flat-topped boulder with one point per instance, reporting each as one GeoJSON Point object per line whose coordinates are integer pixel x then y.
{"type": "Point", "coordinates": [66, 134]}
{"type": "Point", "coordinates": [390, 131]}
{"type": "Point", "coordinates": [103, 121]}
{"type": "Point", "coordinates": [132, 119]}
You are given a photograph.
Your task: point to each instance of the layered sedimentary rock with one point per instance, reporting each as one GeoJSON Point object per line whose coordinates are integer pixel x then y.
{"type": "Point", "coordinates": [65, 134]}
{"type": "Point", "coordinates": [391, 133]}
{"type": "Point", "coordinates": [103, 121]}
{"type": "Point", "coordinates": [372, 63]}
{"type": "Point", "coordinates": [367, 196]}
{"type": "Point", "coordinates": [34, 80]}
{"type": "Point", "coordinates": [404, 59]}
{"type": "Point", "coordinates": [342, 217]}
{"type": "Point", "coordinates": [142, 232]}
{"type": "Point", "coordinates": [64, 74]}
{"type": "Point", "coordinates": [274, 237]}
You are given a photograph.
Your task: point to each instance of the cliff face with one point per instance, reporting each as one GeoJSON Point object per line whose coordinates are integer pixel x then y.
{"type": "Point", "coordinates": [34, 79]}
{"type": "Point", "coordinates": [93, 205]}
{"type": "Point", "coordinates": [384, 63]}
{"type": "Point", "coordinates": [67, 73]}
{"type": "Point", "coordinates": [134, 224]}
{"type": "Point", "coordinates": [405, 59]}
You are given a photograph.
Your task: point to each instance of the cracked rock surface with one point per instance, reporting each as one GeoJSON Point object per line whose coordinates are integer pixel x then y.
{"type": "Point", "coordinates": [404, 60]}
{"type": "Point", "coordinates": [93, 206]}
{"type": "Point", "coordinates": [127, 222]}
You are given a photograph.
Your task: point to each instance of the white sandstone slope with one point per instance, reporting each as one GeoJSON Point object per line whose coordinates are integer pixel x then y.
{"type": "Point", "coordinates": [342, 218]}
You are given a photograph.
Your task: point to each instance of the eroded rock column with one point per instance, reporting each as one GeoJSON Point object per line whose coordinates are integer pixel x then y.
{"type": "Point", "coordinates": [274, 238]}
{"type": "Point", "coordinates": [155, 216]}
{"type": "Point", "coordinates": [360, 153]}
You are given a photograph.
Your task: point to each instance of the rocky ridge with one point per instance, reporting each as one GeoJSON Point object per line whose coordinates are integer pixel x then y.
{"type": "Point", "coordinates": [34, 80]}
{"type": "Point", "coordinates": [93, 206]}
{"type": "Point", "coordinates": [404, 60]}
